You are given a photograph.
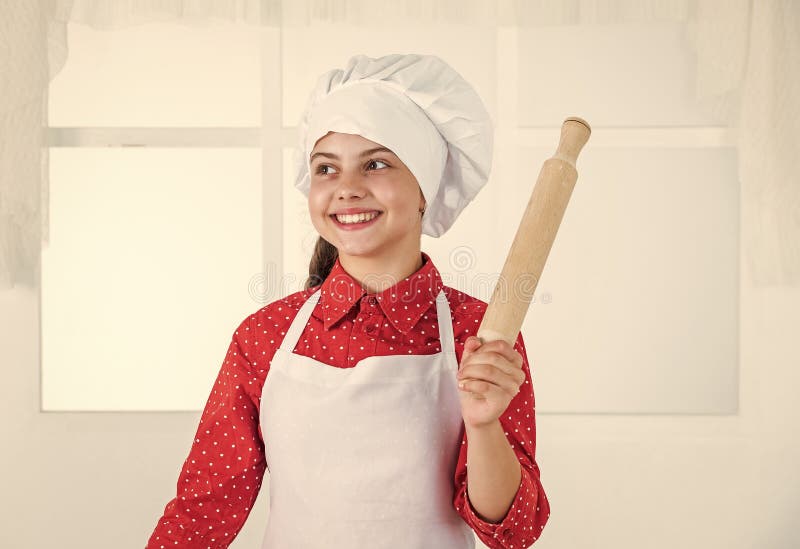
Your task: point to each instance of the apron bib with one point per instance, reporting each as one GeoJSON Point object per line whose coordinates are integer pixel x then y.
{"type": "Point", "coordinates": [363, 457]}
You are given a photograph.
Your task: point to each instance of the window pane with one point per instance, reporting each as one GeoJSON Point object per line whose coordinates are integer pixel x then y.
{"type": "Point", "coordinates": [147, 274]}
{"type": "Point", "coordinates": [160, 74]}
{"type": "Point", "coordinates": [611, 75]}
{"type": "Point", "coordinates": [642, 283]}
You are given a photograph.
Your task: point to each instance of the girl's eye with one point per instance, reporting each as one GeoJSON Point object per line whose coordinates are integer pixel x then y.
{"type": "Point", "coordinates": [322, 166]}
{"type": "Point", "coordinates": [378, 161]}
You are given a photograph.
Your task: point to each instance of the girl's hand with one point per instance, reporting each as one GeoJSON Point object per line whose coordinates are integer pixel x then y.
{"type": "Point", "coordinates": [489, 377]}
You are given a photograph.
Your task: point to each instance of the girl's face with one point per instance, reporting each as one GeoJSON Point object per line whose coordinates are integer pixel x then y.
{"type": "Point", "coordinates": [345, 175]}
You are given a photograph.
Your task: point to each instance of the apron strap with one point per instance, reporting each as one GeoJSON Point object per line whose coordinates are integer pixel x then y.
{"type": "Point", "coordinates": [299, 323]}
{"type": "Point", "coordinates": [445, 324]}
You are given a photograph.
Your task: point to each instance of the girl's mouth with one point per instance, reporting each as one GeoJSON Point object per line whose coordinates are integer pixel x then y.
{"type": "Point", "coordinates": [355, 226]}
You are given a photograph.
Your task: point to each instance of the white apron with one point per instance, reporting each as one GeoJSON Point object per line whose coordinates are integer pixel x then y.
{"type": "Point", "coordinates": [363, 457]}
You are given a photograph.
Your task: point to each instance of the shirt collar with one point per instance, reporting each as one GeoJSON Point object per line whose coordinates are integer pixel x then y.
{"type": "Point", "coordinates": [403, 304]}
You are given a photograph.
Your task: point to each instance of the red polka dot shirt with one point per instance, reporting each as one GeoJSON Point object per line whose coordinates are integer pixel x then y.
{"type": "Point", "coordinates": [221, 477]}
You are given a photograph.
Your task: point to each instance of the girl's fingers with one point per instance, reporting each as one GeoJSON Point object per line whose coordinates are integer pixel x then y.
{"type": "Point", "coordinates": [504, 349]}
{"type": "Point", "coordinates": [493, 364]}
{"type": "Point", "coordinates": [493, 361]}
{"type": "Point", "coordinates": [482, 386]}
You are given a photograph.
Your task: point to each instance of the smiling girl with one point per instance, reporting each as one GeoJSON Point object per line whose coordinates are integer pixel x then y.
{"type": "Point", "coordinates": [364, 396]}
{"type": "Point", "coordinates": [366, 205]}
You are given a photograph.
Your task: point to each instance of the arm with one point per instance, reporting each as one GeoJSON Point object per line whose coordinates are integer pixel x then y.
{"type": "Point", "coordinates": [494, 473]}
{"type": "Point", "coordinates": [222, 475]}
{"type": "Point", "coordinates": [510, 507]}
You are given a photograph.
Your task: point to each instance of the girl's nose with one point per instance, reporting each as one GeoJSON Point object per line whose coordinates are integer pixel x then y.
{"type": "Point", "coordinates": [350, 187]}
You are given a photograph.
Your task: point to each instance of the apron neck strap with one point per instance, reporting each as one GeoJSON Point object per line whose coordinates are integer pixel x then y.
{"type": "Point", "coordinates": [445, 321]}
{"type": "Point", "coordinates": [299, 323]}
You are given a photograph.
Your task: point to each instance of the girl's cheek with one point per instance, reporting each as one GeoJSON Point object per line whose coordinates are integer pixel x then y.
{"type": "Point", "coordinates": [316, 202]}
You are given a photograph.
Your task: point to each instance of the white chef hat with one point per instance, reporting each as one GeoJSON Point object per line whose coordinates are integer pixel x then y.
{"type": "Point", "coordinates": [421, 109]}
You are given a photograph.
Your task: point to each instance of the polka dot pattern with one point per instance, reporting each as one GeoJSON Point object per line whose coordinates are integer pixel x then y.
{"type": "Point", "coordinates": [220, 479]}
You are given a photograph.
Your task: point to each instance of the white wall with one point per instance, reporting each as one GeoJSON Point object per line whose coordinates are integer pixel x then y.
{"type": "Point", "coordinates": [86, 480]}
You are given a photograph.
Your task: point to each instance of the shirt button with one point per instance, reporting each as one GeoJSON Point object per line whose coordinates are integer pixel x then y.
{"type": "Point", "coordinates": [507, 533]}
{"type": "Point", "coordinates": [370, 329]}
{"type": "Point", "coordinates": [372, 301]}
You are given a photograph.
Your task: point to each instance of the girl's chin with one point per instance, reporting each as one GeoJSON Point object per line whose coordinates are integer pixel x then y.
{"type": "Point", "coordinates": [356, 248]}
{"type": "Point", "coordinates": [365, 247]}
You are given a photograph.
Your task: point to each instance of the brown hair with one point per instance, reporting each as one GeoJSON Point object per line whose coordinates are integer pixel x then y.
{"type": "Point", "coordinates": [322, 261]}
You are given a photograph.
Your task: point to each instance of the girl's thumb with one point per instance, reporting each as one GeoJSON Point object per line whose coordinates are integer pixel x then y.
{"type": "Point", "coordinates": [472, 343]}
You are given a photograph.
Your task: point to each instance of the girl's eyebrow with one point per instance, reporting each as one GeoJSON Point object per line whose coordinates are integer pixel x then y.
{"type": "Point", "coordinates": [362, 155]}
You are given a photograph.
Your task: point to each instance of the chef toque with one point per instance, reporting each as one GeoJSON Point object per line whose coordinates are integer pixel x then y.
{"type": "Point", "coordinates": [421, 109]}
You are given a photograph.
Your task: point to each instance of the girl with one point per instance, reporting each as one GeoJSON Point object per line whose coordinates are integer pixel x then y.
{"type": "Point", "coordinates": [366, 394]}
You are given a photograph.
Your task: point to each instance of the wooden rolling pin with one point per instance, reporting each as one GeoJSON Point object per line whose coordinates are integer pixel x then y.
{"type": "Point", "coordinates": [535, 235]}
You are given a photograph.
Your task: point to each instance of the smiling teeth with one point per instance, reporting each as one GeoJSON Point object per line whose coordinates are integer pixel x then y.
{"type": "Point", "coordinates": [356, 218]}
